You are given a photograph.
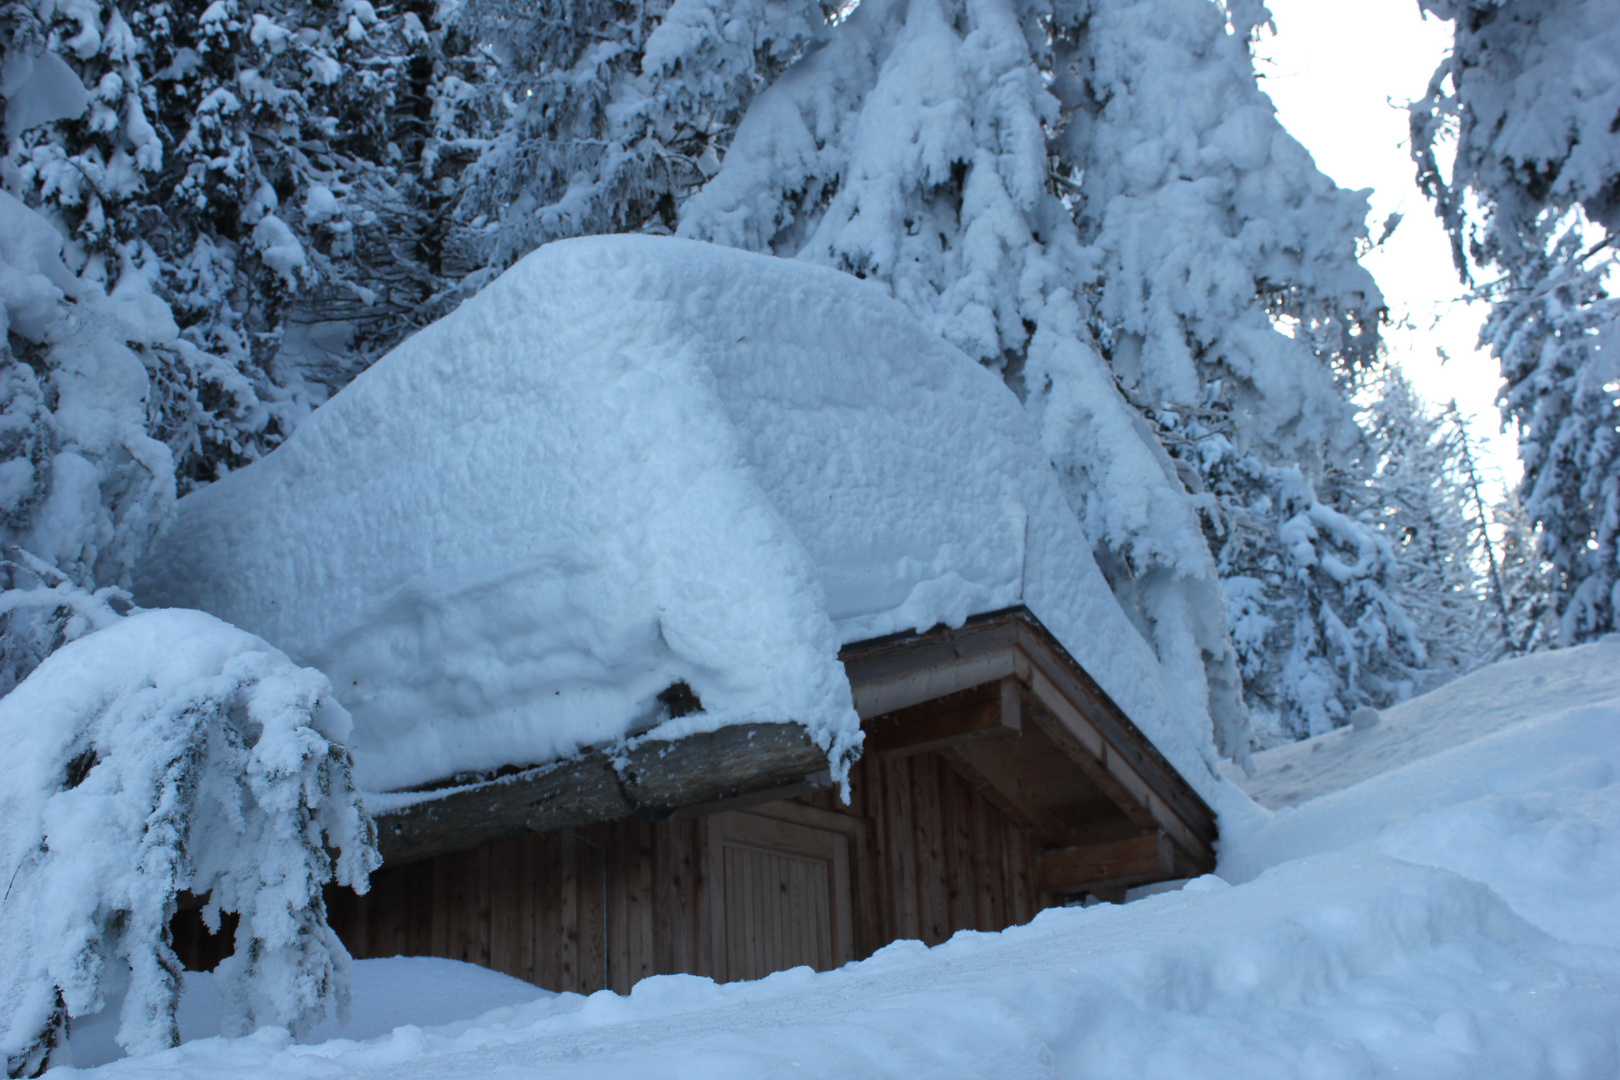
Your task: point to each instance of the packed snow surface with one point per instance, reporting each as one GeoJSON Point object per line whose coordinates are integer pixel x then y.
{"type": "Point", "coordinates": [1475, 705]}
{"type": "Point", "coordinates": [632, 462]}
{"type": "Point", "coordinates": [1524, 801]}
{"type": "Point", "coordinates": [423, 991]}
{"type": "Point", "coordinates": [1453, 916]}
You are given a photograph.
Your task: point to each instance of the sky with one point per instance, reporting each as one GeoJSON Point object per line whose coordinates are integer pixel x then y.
{"type": "Point", "coordinates": [1340, 75]}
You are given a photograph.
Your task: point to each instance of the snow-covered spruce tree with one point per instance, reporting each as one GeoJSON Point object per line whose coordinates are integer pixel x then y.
{"type": "Point", "coordinates": [1308, 576]}
{"type": "Point", "coordinates": [1559, 344]}
{"type": "Point", "coordinates": [1445, 574]}
{"type": "Point", "coordinates": [170, 752]}
{"type": "Point", "coordinates": [147, 754]}
{"type": "Point", "coordinates": [1531, 95]}
{"type": "Point", "coordinates": [83, 487]}
{"type": "Point", "coordinates": [1471, 480]}
{"type": "Point", "coordinates": [600, 116]}
{"type": "Point", "coordinates": [1095, 200]}
{"type": "Point", "coordinates": [239, 159]}
{"type": "Point", "coordinates": [1530, 619]}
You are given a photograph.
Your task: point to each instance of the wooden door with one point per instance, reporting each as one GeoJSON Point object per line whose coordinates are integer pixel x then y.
{"type": "Point", "coordinates": [778, 895]}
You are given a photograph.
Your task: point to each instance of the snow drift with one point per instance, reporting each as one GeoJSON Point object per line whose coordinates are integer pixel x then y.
{"type": "Point", "coordinates": [1340, 966]}
{"type": "Point", "coordinates": [631, 463]}
{"type": "Point", "coordinates": [1507, 776]}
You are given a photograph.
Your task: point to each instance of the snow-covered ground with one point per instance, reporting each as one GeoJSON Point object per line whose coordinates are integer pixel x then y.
{"type": "Point", "coordinates": [1454, 913]}
{"type": "Point", "coordinates": [424, 991]}
{"type": "Point", "coordinates": [1478, 705]}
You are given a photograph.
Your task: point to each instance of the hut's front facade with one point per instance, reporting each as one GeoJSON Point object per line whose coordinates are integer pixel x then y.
{"type": "Point", "coordinates": [998, 779]}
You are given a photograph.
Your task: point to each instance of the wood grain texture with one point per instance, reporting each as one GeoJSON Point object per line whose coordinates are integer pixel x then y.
{"type": "Point", "coordinates": [1149, 857]}
{"type": "Point", "coordinates": [652, 780]}
{"type": "Point", "coordinates": [988, 711]}
{"type": "Point", "coordinates": [784, 897]}
{"type": "Point", "coordinates": [905, 913]}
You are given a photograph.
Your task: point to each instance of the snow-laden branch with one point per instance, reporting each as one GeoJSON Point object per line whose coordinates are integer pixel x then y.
{"type": "Point", "coordinates": [170, 752]}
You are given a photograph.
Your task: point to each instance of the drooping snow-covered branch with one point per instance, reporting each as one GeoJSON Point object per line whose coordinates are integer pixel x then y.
{"type": "Point", "coordinates": [166, 753]}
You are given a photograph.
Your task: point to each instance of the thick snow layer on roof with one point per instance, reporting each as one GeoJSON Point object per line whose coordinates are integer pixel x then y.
{"type": "Point", "coordinates": [632, 462]}
{"type": "Point", "coordinates": [1451, 918]}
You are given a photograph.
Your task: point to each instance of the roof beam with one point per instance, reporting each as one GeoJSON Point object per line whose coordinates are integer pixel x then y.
{"type": "Point", "coordinates": [1116, 864]}
{"type": "Point", "coordinates": [985, 765]}
{"type": "Point", "coordinates": [987, 712]}
{"type": "Point", "coordinates": [650, 780]}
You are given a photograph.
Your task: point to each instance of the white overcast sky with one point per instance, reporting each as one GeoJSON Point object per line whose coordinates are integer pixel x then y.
{"type": "Point", "coordinates": [1340, 74]}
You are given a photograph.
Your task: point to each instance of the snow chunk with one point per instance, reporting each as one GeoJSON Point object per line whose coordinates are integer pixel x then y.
{"type": "Point", "coordinates": [320, 205]}
{"type": "Point", "coordinates": [38, 90]}
{"type": "Point", "coordinates": [280, 249]}
{"type": "Point", "coordinates": [633, 462]}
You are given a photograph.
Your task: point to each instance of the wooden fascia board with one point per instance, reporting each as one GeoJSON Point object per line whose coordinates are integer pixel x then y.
{"type": "Point", "coordinates": [908, 669]}
{"type": "Point", "coordinates": [1136, 860]}
{"type": "Point", "coordinates": [1097, 755]}
{"type": "Point", "coordinates": [650, 780]}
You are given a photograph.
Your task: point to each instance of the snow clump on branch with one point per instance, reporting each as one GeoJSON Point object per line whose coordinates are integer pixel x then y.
{"type": "Point", "coordinates": [166, 753]}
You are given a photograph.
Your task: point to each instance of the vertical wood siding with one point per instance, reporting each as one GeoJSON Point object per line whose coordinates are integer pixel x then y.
{"type": "Point", "coordinates": [610, 904]}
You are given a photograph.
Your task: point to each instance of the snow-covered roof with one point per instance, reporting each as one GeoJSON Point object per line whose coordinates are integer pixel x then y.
{"type": "Point", "coordinates": [632, 462]}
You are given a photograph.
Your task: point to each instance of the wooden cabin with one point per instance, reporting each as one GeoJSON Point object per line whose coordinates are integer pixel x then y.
{"type": "Point", "coordinates": [997, 779]}
{"type": "Point", "coordinates": [454, 556]}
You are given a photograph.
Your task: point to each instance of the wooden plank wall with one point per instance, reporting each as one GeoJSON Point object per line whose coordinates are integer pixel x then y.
{"type": "Point", "coordinates": [584, 909]}
{"type": "Point", "coordinates": [608, 905]}
{"type": "Point", "coordinates": [942, 857]}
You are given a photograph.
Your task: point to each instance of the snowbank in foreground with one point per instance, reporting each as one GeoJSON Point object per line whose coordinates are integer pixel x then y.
{"type": "Point", "coordinates": [1530, 808]}
{"type": "Point", "coordinates": [398, 991]}
{"type": "Point", "coordinates": [632, 462]}
{"type": "Point", "coordinates": [1355, 963]}
{"type": "Point", "coordinates": [1343, 966]}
